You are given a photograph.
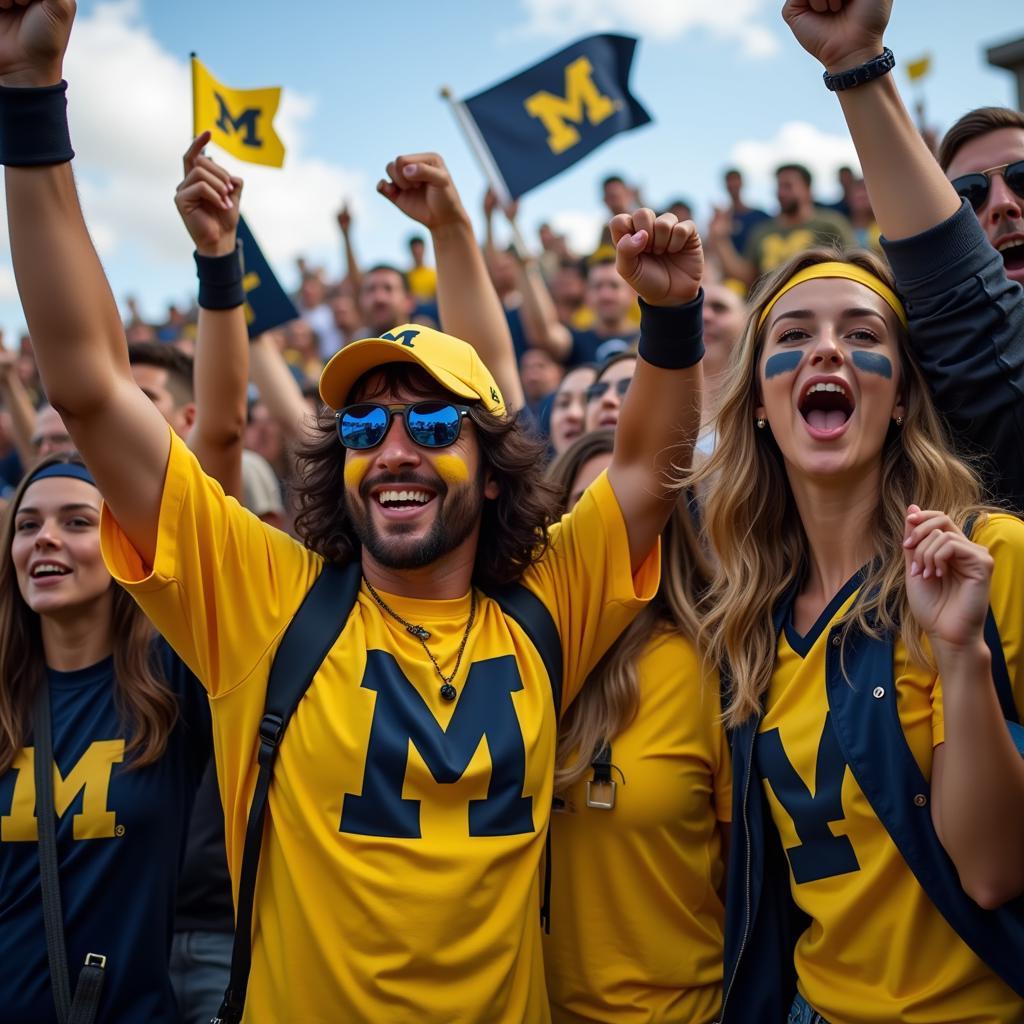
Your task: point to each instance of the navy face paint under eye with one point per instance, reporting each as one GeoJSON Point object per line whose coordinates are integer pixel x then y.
{"type": "Point", "coordinates": [872, 362]}
{"type": "Point", "coordinates": [781, 362]}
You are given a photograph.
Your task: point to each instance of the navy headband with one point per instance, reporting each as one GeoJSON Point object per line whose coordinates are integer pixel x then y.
{"type": "Point", "coordinates": [68, 469]}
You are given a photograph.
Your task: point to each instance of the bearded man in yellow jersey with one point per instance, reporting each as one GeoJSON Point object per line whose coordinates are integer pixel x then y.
{"type": "Point", "coordinates": [409, 803]}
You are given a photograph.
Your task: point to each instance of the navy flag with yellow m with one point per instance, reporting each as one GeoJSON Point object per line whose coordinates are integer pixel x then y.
{"type": "Point", "coordinates": [267, 304]}
{"type": "Point", "coordinates": [541, 121]}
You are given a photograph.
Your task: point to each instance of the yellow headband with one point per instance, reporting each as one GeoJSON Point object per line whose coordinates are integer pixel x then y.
{"type": "Point", "coordinates": [850, 272]}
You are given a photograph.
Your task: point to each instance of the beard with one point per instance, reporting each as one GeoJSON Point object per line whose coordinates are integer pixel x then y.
{"type": "Point", "coordinates": [458, 514]}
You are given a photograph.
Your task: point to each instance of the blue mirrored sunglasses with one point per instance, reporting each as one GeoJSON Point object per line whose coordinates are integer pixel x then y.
{"type": "Point", "coordinates": [429, 424]}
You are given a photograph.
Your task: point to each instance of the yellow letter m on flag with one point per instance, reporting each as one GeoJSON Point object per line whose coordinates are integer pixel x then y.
{"type": "Point", "coordinates": [239, 120]}
{"type": "Point", "coordinates": [582, 99]}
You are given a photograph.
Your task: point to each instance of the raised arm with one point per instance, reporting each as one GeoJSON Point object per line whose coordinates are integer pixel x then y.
{"type": "Point", "coordinates": [540, 318]}
{"type": "Point", "coordinates": [208, 200]}
{"type": "Point", "coordinates": [18, 404]}
{"type": "Point", "coordinates": [909, 192]}
{"type": "Point", "coordinates": [353, 273]}
{"type": "Point", "coordinates": [421, 187]}
{"type": "Point", "coordinates": [662, 260]}
{"type": "Point", "coordinates": [733, 264]}
{"type": "Point", "coordinates": [76, 330]}
{"type": "Point", "coordinates": [278, 388]}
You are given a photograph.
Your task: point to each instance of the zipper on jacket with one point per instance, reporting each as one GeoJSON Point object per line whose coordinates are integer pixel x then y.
{"type": "Point", "coordinates": [746, 835]}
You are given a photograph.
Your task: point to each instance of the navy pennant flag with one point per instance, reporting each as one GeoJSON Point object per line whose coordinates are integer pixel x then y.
{"type": "Point", "coordinates": [541, 121]}
{"type": "Point", "coordinates": [267, 304]}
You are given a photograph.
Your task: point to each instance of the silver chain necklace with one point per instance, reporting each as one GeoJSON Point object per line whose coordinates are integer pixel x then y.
{"type": "Point", "coordinates": [448, 692]}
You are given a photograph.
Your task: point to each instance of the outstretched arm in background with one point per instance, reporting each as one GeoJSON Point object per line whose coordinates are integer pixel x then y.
{"type": "Point", "coordinates": [353, 274]}
{"type": "Point", "coordinates": [909, 192]}
{"type": "Point", "coordinates": [208, 200]}
{"type": "Point", "coordinates": [76, 330]}
{"type": "Point", "coordinates": [278, 388]}
{"type": "Point", "coordinates": [18, 404]}
{"type": "Point", "coordinates": [663, 261]}
{"type": "Point", "coordinates": [421, 187]}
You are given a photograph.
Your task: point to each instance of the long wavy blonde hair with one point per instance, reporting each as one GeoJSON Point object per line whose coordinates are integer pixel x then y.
{"type": "Point", "coordinates": [754, 529]}
{"type": "Point", "coordinates": [609, 700]}
{"type": "Point", "coordinates": [147, 706]}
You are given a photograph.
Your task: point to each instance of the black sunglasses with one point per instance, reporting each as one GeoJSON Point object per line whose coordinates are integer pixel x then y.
{"type": "Point", "coordinates": [429, 424]}
{"type": "Point", "coordinates": [599, 389]}
{"type": "Point", "coordinates": [975, 187]}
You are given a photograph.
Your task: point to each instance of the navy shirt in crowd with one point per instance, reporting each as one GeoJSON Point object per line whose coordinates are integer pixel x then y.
{"type": "Point", "coordinates": [120, 841]}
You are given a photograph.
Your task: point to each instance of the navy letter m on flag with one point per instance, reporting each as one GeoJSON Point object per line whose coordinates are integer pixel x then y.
{"type": "Point", "coordinates": [544, 119]}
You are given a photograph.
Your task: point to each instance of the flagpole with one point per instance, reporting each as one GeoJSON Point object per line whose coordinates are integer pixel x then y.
{"type": "Point", "coordinates": [195, 96]}
{"type": "Point", "coordinates": [488, 166]}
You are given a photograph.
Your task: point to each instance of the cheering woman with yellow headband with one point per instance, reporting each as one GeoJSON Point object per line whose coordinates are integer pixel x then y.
{"type": "Point", "coordinates": [869, 614]}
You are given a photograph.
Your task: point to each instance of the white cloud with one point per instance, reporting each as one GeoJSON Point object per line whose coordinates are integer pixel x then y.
{"type": "Point", "coordinates": [8, 287]}
{"type": "Point", "coordinates": [664, 20]}
{"type": "Point", "coordinates": [795, 142]}
{"type": "Point", "coordinates": [130, 113]}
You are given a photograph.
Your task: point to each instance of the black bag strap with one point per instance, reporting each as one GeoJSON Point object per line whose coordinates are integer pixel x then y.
{"type": "Point", "coordinates": [81, 1010]}
{"type": "Point", "coordinates": [306, 643]}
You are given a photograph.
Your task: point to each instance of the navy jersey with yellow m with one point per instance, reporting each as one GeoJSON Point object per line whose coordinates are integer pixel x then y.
{"type": "Point", "coordinates": [877, 949]}
{"type": "Point", "coordinates": [120, 841]}
{"type": "Point", "coordinates": [398, 876]}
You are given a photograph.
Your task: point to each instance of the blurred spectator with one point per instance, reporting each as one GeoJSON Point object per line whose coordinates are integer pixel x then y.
{"type": "Point", "coordinates": [743, 218]}
{"type": "Point", "coordinates": [261, 490]}
{"type": "Point", "coordinates": [798, 225]}
{"type": "Point", "coordinates": [618, 197]}
{"type": "Point", "coordinates": [265, 436]}
{"type": "Point", "coordinates": [862, 217]}
{"type": "Point", "coordinates": [50, 436]}
{"type": "Point", "coordinates": [164, 375]}
{"type": "Point", "coordinates": [569, 407]}
{"type": "Point", "coordinates": [540, 375]}
{"type": "Point", "coordinates": [612, 302]}
{"type": "Point", "coordinates": [384, 299]}
{"type": "Point", "coordinates": [312, 304]}
{"type": "Point", "coordinates": [568, 286]}
{"type": "Point", "coordinates": [847, 180]}
{"type": "Point", "coordinates": [345, 311]}
{"type": "Point", "coordinates": [302, 349]}
{"type": "Point", "coordinates": [503, 266]}
{"type": "Point", "coordinates": [682, 209]}
{"type": "Point", "coordinates": [554, 250]}
{"type": "Point", "coordinates": [422, 279]}
{"type": "Point", "coordinates": [724, 317]}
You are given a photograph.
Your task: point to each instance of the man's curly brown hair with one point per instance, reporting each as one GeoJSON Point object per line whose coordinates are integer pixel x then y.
{"type": "Point", "coordinates": [513, 529]}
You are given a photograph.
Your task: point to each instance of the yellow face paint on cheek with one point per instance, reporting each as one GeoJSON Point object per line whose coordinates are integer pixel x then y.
{"type": "Point", "coordinates": [355, 470]}
{"type": "Point", "coordinates": [451, 469]}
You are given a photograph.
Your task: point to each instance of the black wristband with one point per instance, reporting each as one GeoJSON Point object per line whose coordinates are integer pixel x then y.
{"type": "Point", "coordinates": [672, 337]}
{"type": "Point", "coordinates": [862, 73]}
{"type": "Point", "coordinates": [220, 279]}
{"type": "Point", "coordinates": [34, 126]}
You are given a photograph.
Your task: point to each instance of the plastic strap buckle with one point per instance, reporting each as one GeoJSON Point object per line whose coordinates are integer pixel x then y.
{"type": "Point", "coordinates": [270, 735]}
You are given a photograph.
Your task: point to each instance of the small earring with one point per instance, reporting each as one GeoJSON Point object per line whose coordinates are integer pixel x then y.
{"type": "Point", "coordinates": [899, 421]}
{"type": "Point", "coordinates": [761, 422]}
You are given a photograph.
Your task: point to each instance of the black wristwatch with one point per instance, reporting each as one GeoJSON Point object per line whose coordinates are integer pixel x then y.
{"type": "Point", "coordinates": [866, 72]}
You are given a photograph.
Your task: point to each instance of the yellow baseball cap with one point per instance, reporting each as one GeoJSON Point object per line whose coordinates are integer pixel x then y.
{"type": "Point", "coordinates": [454, 364]}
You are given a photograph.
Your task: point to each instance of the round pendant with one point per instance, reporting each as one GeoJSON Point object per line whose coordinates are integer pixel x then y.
{"type": "Point", "coordinates": [448, 692]}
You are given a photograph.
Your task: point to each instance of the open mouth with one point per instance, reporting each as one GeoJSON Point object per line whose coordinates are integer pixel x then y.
{"type": "Point", "coordinates": [402, 499]}
{"type": "Point", "coordinates": [48, 570]}
{"type": "Point", "coordinates": [826, 406]}
{"type": "Point", "coordinates": [1012, 251]}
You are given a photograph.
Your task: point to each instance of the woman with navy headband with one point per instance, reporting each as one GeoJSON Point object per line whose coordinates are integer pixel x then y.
{"type": "Point", "coordinates": [869, 613]}
{"type": "Point", "coordinates": [84, 674]}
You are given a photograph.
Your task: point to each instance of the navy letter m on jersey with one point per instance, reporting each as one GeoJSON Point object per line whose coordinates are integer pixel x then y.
{"type": "Point", "coordinates": [821, 854]}
{"type": "Point", "coordinates": [484, 709]}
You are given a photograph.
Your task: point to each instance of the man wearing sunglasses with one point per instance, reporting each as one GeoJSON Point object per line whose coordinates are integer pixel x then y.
{"type": "Point", "coordinates": [398, 879]}
{"type": "Point", "coordinates": [956, 249]}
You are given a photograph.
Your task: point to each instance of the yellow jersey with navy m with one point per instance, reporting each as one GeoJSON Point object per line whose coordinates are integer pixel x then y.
{"type": "Point", "coordinates": [398, 875]}
{"type": "Point", "coordinates": [877, 949]}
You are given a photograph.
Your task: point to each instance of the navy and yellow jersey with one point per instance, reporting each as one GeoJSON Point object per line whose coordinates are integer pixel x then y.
{"type": "Point", "coordinates": [636, 917]}
{"type": "Point", "coordinates": [120, 840]}
{"type": "Point", "coordinates": [399, 871]}
{"type": "Point", "coordinates": [877, 949]}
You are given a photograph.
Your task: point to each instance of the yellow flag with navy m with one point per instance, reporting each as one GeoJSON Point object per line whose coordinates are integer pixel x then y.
{"type": "Point", "coordinates": [918, 68]}
{"type": "Point", "coordinates": [541, 121]}
{"type": "Point", "coordinates": [241, 121]}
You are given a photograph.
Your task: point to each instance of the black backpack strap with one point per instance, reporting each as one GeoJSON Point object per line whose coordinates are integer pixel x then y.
{"type": "Point", "coordinates": [527, 609]}
{"type": "Point", "coordinates": [82, 1009]}
{"type": "Point", "coordinates": [310, 635]}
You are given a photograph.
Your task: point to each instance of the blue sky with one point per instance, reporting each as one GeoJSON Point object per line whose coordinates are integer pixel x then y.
{"type": "Point", "coordinates": [724, 82]}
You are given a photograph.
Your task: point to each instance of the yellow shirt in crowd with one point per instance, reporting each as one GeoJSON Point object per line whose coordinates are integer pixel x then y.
{"type": "Point", "coordinates": [422, 283]}
{"type": "Point", "coordinates": [399, 872]}
{"type": "Point", "coordinates": [636, 918]}
{"type": "Point", "coordinates": [877, 949]}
